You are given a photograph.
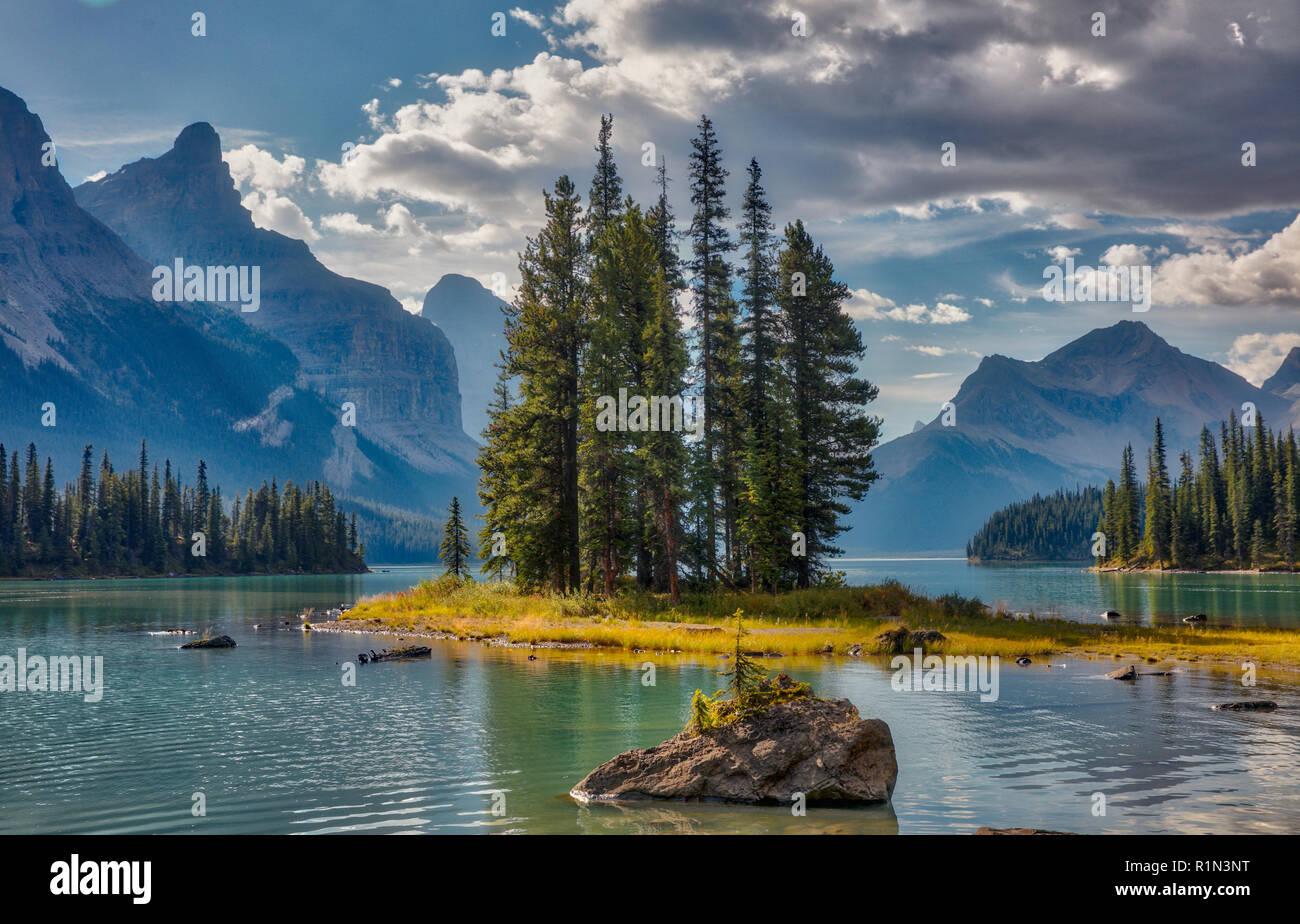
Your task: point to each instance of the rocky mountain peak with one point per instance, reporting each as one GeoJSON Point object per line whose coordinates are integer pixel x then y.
{"type": "Point", "coordinates": [198, 144]}
{"type": "Point", "coordinates": [1287, 376]}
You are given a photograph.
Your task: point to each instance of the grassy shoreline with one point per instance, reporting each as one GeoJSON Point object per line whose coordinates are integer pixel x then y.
{"type": "Point", "coordinates": [800, 623]}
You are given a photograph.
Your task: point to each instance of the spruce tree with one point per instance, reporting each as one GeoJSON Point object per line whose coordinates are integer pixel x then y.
{"type": "Point", "coordinates": [833, 435]}
{"type": "Point", "coordinates": [663, 457]}
{"type": "Point", "coordinates": [455, 550]}
{"type": "Point", "coordinates": [497, 491]}
{"type": "Point", "coordinates": [605, 202]}
{"type": "Point", "coordinates": [715, 327]}
{"type": "Point", "coordinates": [768, 508]}
{"type": "Point", "coordinates": [545, 335]}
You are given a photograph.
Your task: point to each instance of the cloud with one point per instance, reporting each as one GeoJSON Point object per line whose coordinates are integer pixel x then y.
{"type": "Point", "coordinates": [939, 351]}
{"type": "Point", "coordinates": [528, 18]}
{"type": "Point", "coordinates": [1268, 275]}
{"type": "Point", "coordinates": [1126, 255]}
{"type": "Point", "coordinates": [1060, 253]}
{"type": "Point", "coordinates": [1255, 357]}
{"type": "Point", "coordinates": [865, 305]}
{"type": "Point", "coordinates": [1073, 221]}
{"type": "Point", "coordinates": [932, 375]}
{"type": "Point", "coordinates": [259, 169]}
{"type": "Point", "coordinates": [277, 213]}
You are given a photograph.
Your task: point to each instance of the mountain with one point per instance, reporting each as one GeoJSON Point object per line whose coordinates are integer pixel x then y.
{"type": "Point", "coordinates": [1026, 427]}
{"type": "Point", "coordinates": [1285, 382]}
{"type": "Point", "coordinates": [79, 328]}
{"type": "Point", "coordinates": [353, 340]}
{"type": "Point", "coordinates": [471, 317]}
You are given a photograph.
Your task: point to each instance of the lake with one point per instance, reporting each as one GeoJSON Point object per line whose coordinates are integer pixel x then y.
{"type": "Point", "coordinates": [275, 743]}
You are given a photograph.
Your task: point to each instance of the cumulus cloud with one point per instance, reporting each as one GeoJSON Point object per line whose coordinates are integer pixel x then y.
{"type": "Point", "coordinates": [274, 212]}
{"type": "Point", "coordinates": [1267, 275]}
{"type": "Point", "coordinates": [865, 305]}
{"type": "Point", "coordinates": [252, 166]}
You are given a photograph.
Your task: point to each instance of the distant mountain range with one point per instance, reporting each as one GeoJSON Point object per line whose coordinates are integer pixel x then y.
{"type": "Point", "coordinates": [261, 393]}
{"type": "Point", "coordinates": [471, 317]}
{"type": "Point", "coordinates": [255, 394]}
{"type": "Point", "coordinates": [1027, 427]}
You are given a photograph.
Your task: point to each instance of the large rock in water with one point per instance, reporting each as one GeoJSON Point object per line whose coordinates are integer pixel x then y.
{"type": "Point", "coordinates": [820, 748]}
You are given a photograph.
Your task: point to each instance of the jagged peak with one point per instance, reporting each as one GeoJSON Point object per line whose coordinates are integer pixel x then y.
{"type": "Point", "coordinates": [198, 143]}
{"type": "Point", "coordinates": [1287, 374]}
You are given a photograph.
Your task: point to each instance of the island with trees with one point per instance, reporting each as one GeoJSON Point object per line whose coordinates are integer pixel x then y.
{"type": "Point", "coordinates": [1233, 507]}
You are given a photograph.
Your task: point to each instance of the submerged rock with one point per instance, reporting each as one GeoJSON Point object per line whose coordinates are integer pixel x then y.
{"type": "Point", "coordinates": [820, 748]}
{"type": "Point", "coordinates": [1248, 705]}
{"type": "Point", "coordinates": [220, 641]}
{"type": "Point", "coordinates": [1023, 831]}
{"type": "Point", "coordinates": [1124, 673]}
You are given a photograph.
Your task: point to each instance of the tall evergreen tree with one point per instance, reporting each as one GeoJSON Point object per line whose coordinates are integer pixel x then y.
{"type": "Point", "coordinates": [1157, 533]}
{"type": "Point", "coordinates": [545, 334]}
{"type": "Point", "coordinates": [715, 325]}
{"type": "Point", "coordinates": [605, 202]}
{"type": "Point", "coordinates": [498, 460]}
{"type": "Point", "coordinates": [455, 550]}
{"type": "Point", "coordinates": [769, 506]}
{"type": "Point", "coordinates": [833, 434]}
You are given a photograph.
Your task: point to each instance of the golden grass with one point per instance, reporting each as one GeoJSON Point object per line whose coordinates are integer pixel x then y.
{"type": "Point", "coordinates": [796, 623]}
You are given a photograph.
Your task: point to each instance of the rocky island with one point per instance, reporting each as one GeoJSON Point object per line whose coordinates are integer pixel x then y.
{"type": "Point", "coordinates": [771, 741]}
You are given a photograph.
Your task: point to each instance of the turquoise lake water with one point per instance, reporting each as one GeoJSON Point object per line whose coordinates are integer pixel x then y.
{"type": "Point", "coordinates": [277, 744]}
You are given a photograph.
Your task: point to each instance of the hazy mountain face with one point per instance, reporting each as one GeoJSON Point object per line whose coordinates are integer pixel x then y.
{"type": "Point", "coordinates": [471, 318]}
{"type": "Point", "coordinates": [1021, 427]}
{"type": "Point", "coordinates": [81, 330]}
{"type": "Point", "coordinates": [355, 343]}
{"type": "Point", "coordinates": [1285, 382]}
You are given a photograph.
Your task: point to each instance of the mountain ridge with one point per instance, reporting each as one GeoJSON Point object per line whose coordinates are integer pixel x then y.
{"type": "Point", "coordinates": [354, 341]}
{"type": "Point", "coordinates": [1036, 426]}
{"type": "Point", "coordinates": [81, 330]}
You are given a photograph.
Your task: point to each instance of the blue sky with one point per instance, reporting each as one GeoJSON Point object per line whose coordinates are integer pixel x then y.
{"type": "Point", "coordinates": [1123, 148]}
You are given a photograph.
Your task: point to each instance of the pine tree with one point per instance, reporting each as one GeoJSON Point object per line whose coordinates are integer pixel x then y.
{"type": "Point", "coordinates": [665, 234]}
{"type": "Point", "coordinates": [663, 457]}
{"type": "Point", "coordinates": [833, 435]}
{"type": "Point", "coordinates": [606, 484]}
{"type": "Point", "coordinates": [455, 551]}
{"type": "Point", "coordinates": [769, 505]}
{"type": "Point", "coordinates": [715, 325]}
{"type": "Point", "coordinates": [745, 674]}
{"type": "Point", "coordinates": [1285, 515]}
{"type": "Point", "coordinates": [606, 197]}
{"type": "Point", "coordinates": [1127, 528]}
{"type": "Point", "coordinates": [544, 333]}
{"type": "Point", "coordinates": [497, 491]}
